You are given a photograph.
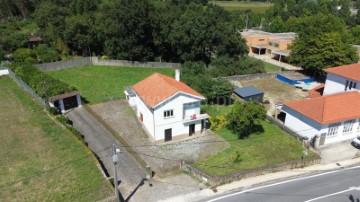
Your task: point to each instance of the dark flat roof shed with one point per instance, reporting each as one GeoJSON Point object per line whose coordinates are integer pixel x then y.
{"type": "Point", "coordinates": [247, 91]}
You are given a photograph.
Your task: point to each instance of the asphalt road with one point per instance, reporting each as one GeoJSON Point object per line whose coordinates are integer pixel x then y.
{"type": "Point", "coordinates": [339, 185]}
{"type": "Point", "coordinates": [130, 173]}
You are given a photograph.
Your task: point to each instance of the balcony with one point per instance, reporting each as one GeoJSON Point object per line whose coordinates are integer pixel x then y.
{"type": "Point", "coordinates": [195, 117]}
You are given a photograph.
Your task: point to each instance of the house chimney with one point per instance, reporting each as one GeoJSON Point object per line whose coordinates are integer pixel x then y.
{"type": "Point", "coordinates": [177, 75]}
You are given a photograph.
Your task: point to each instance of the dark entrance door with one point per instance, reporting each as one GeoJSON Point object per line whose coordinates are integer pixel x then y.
{"type": "Point", "coordinates": [70, 102]}
{"type": "Point", "coordinates": [322, 138]}
{"type": "Point", "coordinates": [202, 125]}
{"type": "Point", "coordinates": [191, 129]}
{"type": "Point", "coordinates": [168, 134]}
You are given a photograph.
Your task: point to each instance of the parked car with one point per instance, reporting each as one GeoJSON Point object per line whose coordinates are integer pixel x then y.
{"type": "Point", "coordinates": [356, 142]}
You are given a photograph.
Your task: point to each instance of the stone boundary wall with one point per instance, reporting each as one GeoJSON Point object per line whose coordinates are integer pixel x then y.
{"type": "Point", "coordinates": [126, 63]}
{"type": "Point", "coordinates": [52, 66]}
{"type": "Point", "coordinates": [215, 181]}
{"type": "Point", "coordinates": [77, 62]}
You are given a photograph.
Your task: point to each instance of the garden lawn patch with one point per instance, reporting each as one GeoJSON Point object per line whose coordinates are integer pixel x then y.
{"type": "Point", "coordinates": [271, 67]}
{"type": "Point", "coordinates": [256, 7]}
{"type": "Point", "coordinates": [266, 148]}
{"type": "Point", "coordinates": [103, 83]}
{"type": "Point", "coordinates": [32, 150]}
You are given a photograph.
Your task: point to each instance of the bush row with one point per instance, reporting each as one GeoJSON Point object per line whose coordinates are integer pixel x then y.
{"type": "Point", "coordinates": [68, 124]}
{"type": "Point", "coordinates": [43, 84]}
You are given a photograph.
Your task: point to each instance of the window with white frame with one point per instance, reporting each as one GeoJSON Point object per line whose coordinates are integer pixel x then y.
{"type": "Point", "coordinates": [333, 129]}
{"type": "Point", "coordinates": [168, 113]}
{"type": "Point", "coordinates": [348, 126]}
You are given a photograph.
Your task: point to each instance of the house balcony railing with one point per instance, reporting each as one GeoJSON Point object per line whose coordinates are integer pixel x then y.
{"type": "Point", "coordinates": [195, 117]}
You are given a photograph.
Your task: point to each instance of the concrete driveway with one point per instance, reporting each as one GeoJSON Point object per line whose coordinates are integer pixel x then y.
{"type": "Point", "coordinates": [338, 152]}
{"type": "Point", "coordinates": [130, 173]}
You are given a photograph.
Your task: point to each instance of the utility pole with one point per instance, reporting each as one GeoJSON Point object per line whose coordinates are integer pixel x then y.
{"type": "Point", "coordinates": [116, 150]}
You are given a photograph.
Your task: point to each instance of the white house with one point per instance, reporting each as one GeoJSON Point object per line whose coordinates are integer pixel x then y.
{"type": "Point", "coordinates": [168, 108]}
{"type": "Point", "coordinates": [335, 115]}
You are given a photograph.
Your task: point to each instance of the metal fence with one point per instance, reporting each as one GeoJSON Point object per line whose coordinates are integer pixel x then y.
{"type": "Point", "coordinates": [26, 87]}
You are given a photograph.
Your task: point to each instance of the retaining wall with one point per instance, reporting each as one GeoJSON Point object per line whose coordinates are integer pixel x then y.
{"type": "Point", "coordinates": [215, 181]}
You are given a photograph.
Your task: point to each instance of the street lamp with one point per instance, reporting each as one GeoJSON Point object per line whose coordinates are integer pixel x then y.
{"type": "Point", "coordinates": [115, 159]}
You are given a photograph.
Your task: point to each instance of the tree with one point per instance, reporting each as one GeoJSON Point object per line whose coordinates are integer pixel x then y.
{"type": "Point", "coordinates": [277, 25]}
{"type": "Point", "coordinates": [244, 116]}
{"type": "Point", "coordinates": [323, 51]}
{"type": "Point", "coordinates": [2, 54]}
{"type": "Point", "coordinates": [355, 33]}
{"type": "Point", "coordinates": [201, 34]}
{"type": "Point", "coordinates": [197, 76]}
{"type": "Point", "coordinates": [125, 26]}
{"type": "Point", "coordinates": [23, 54]}
{"type": "Point", "coordinates": [80, 35]}
{"type": "Point", "coordinates": [45, 54]}
{"type": "Point", "coordinates": [225, 66]}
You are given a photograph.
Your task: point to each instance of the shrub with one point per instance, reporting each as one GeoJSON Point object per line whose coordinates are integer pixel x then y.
{"type": "Point", "coordinates": [46, 54]}
{"type": "Point", "coordinates": [53, 110]}
{"type": "Point", "coordinates": [21, 54]}
{"type": "Point", "coordinates": [217, 122]}
{"type": "Point", "coordinates": [64, 120]}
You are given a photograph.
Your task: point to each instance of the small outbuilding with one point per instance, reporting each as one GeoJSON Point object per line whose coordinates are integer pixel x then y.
{"type": "Point", "coordinates": [250, 93]}
{"type": "Point", "coordinates": [65, 101]}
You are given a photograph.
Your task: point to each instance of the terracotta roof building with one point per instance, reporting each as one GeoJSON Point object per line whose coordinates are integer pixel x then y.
{"type": "Point", "coordinates": [158, 87]}
{"type": "Point", "coordinates": [167, 108]}
{"type": "Point", "coordinates": [332, 111]}
{"type": "Point", "coordinates": [329, 109]}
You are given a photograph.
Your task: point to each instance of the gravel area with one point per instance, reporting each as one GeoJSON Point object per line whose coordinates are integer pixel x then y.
{"type": "Point", "coordinates": [161, 158]}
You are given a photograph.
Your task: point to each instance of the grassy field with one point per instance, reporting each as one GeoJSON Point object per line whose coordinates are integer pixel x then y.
{"type": "Point", "coordinates": [257, 7]}
{"type": "Point", "coordinates": [33, 147]}
{"type": "Point", "coordinates": [271, 67]}
{"type": "Point", "coordinates": [99, 83]}
{"type": "Point", "coordinates": [269, 147]}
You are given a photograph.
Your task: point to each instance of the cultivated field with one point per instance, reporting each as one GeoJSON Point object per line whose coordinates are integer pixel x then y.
{"type": "Point", "coordinates": [257, 7]}
{"type": "Point", "coordinates": [101, 83]}
{"type": "Point", "coordinates": [39, 160]}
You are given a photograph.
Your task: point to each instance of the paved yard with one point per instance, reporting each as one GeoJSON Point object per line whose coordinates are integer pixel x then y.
{"type": "Point", "coordinates": [338, 152]}
{"type": "Point", "coordinates": [161, 158]}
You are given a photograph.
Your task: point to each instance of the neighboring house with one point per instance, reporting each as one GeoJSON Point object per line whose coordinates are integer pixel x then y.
{"type": "Point", "coordinates": [334, 114]}
{"type": "Point", "coordinates": [265, 43]}
{"type": "Point", "coordinates": [169, 109]}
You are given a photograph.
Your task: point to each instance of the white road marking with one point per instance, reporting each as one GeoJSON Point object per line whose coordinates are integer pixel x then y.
{"type": "Point", "coordinates": [279, 183]}
{"type": "Point", "coordinates": [333, 194]}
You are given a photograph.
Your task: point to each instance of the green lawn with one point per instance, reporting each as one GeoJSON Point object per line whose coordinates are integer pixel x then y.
{"type": "Point", "coordinates": [265, 148]}
{"type": "Point", "coordinates": [257, 7]}
{"type": "Point", "coordinates": [101, 83]}
{"type": "Point", "coordinates": [39, 160]}
{"type": "Point", "coordinates": [271, 67]}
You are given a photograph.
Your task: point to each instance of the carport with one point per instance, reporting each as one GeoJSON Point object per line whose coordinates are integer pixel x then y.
{"type": "Point", "coordinates": [258, 49]}
{"type": "Point", "coordinates": [65, 101]}
{"type": "Point", "coordinates": [280, 55]}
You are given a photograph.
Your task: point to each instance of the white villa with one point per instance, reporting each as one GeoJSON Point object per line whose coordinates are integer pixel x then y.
{"type": "Point", "coordinates": [168, 108]}
{"type": "Point", "coordinates": [332, 112]}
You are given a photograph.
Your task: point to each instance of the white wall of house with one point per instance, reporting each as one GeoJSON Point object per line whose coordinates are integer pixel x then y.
{"type": "Point", "coordinates": [148, 118]}
{"type": "Point", "coordinates": [336, 84]}
{"type": "Point", "coordinates": [305, 126]}
{"type": "Point", "coordinates": [301, 124]}
{"type": "Point", "coordinates": [175, 122]}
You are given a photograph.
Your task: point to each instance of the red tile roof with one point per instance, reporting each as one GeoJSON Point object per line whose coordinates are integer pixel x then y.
{"type": "Point", "coordinates": [157, 88]}
{"type": "Point", "coordinates": [329, 109]}
{"type": "Point", "coordinates": [317, 91]}
{"type": "Point", "coordinates": [351, 71]}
